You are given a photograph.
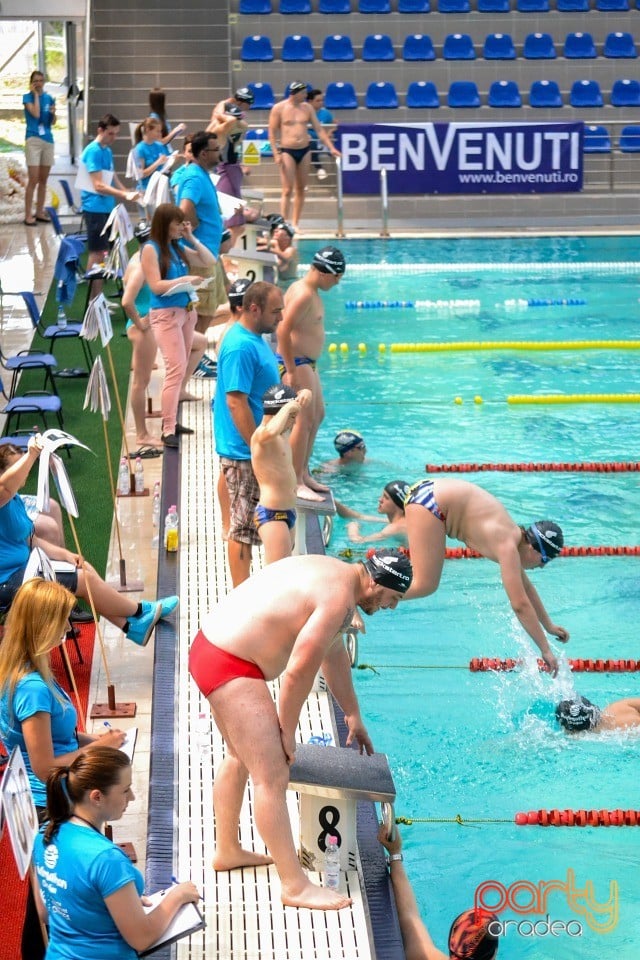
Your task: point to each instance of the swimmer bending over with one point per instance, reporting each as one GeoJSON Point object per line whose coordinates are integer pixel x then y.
{"type": "Point", "coordinates": [286, 620]}
{"type": "Point", "coordinates": [436, 509]}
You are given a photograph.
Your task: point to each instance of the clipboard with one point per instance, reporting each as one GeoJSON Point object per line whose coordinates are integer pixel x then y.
{"type": "Point", "coordinates": [129, 744]}
{"type": "Point", "coordinates": [187, 920]}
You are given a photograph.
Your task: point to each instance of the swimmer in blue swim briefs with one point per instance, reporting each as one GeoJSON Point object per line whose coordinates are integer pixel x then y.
{"type": "Point", "coordinates": [275, 515]}
{"type": "Point", "coordinates": [437, 509]}
{"type": "Point", "coordinates": [299, 362]}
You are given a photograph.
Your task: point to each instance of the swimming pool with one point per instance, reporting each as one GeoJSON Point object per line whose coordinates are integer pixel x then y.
{"type": "Point", "coordinates": [483, 746]}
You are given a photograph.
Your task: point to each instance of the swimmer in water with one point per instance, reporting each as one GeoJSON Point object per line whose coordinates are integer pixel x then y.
{"type": "Point", "coordinates": [391, 505]}
{"type": "Point", "coordinates": [579, 715]}
{"type": "Point", "coordinates": [351, 453]}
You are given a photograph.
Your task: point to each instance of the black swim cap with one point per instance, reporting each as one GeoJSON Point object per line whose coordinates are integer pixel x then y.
{"type": "Point", "coordinates": [578, 714]}
{"type": "Point", "coordinates": [329, 260]}
{"type": "Point", "coordinates": [546, 536]}
{"type": "Point", "coordinates": [237, 291]}
{"type": "Point", "coordinates": [390, 568]}
{"type": "Point", "coordinates": [346, 440]}
{"type": "Point", "coordinates": [275, 221]}
{"type": "Point", "coordinates": [233, 110]}
{"type": "Point", "coordinates": [276, 397]}
{"type": "Point", "coordinates": [286, 227]}
{"type": "Point", "coordinates": [398, 490]}
{"type": "Point", "coordinates": [244, 95]}
{"type": "Point", "coordinates": [296, 86]}
{"type": "Point", "coordinates": [469, 937]}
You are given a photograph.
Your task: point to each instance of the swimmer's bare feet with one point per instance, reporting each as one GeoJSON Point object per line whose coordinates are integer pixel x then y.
{"type": "Point", "coordinates": [315, 898]}
{"type": "Point", "coordinates": [304, 493]}
{"type": "Point", "coordinates": [237, 857]}
{"type": "Point", "coordinates": [314, 484]}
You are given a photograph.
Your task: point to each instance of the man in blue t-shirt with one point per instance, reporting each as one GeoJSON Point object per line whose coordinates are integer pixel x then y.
{"type": "Point", "coordinates": [246, 369]}
{"type": "Point", "coordinates": [100, 189]}
{"type": "Point", "coordinates": [198, 200]}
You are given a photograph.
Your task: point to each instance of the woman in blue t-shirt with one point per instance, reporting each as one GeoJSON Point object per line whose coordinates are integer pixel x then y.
{"type": "Point", "coordinates": [165, 260]}
{"type": "Point", "coordinates": [150, 154]}
{"type": "Point", "coordinates": [40, 116]}
{"type": "Point", "coordinates": [91, 894]}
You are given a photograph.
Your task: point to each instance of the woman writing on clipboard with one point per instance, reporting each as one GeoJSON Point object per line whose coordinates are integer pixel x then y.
{"type": "Point", "coordinates": [91, 894]}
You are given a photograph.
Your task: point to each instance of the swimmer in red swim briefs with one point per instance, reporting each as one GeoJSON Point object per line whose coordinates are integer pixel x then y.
{"type": "Point", "coordinates": [286, 620]}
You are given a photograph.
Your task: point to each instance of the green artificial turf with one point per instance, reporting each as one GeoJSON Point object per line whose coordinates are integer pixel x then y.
{"type": "Point", "coordinates": [87, 471]}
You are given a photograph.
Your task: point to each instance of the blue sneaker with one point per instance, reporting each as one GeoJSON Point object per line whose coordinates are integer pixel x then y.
{"type": "Point", "coordinates": [205, 371]}
{"type": "Point", "coordinates": [168, 605]}
{"type": "Point", "coordinates": [140, 628]}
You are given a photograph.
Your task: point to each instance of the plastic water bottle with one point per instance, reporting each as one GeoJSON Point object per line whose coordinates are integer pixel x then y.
{"type": "Point", "coordinates": [171, 530]}
{"type": "Point", "coordinates": [124, 478]}
{"type": "Point", "coordinates": [155, 514]}
{"type": "Point", "coordinates": [62, 318]}
{"type": "Point", "coordinates": [332, 863]}
{"type": "Point", "coordinates": [202, 737]}
{"type": "Point", "coordinates": [138, 476]}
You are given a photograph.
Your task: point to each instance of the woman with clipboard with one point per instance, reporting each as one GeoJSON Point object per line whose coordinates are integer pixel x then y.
{"type": "Point", "coordinates": [91, 894]}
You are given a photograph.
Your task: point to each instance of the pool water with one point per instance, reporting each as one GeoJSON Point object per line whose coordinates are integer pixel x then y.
{"type": "Point", "coordinates": [484, 746]}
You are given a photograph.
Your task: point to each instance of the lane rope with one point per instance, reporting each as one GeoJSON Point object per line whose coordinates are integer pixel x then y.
{"type": "Point", "coordinates": [609, 466]}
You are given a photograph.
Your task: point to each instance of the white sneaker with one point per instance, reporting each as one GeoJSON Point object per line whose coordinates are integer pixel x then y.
{"type": "Point", "coordinates": [322, 173]}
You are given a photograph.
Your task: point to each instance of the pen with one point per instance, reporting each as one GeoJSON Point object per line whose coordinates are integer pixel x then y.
{"type": "Point", "coordinates": [174, 880]}
{"type": "Point", "coordinates": [107, 724]}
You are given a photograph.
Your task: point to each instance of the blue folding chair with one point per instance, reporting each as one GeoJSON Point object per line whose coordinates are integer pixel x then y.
{"type": "Point", "coordinates": [545, 93]}
{"type": "Point", "coordinates": [422, 95]}
{"type": "Point", "coordinates": [255, 8]}
{"type": "Point", "coordinates": [625, 93]}
{"type": "Point", "coordinates": [27, 360]}
{"type": "Point", "coordinates": [381, 96]}
{"type": "Point", "coordinates": [297, 48]}
{"type": "Point", "coordinates": [463, 94]}
{"type": "Point", "coordinates": [414, 6]}
{"type": "Point", "coordinates": [330, 7]}
{"type": "Point", "coordinates": [59, 231]}
{"type": "Point", "coordinates": [256, 49]}
{"type": "Point", "coordinates": [338, 49]}
{"type": "Point", "coordinates": [54, 331]}
{"type": "Point", "coordinates": [539, 46]}
{"type": "Point", "coordinates": [579, 46]}
{"type": "Point", "coordinates": [293, 7]}
{"type": "Point", "coordinates": [494, 6]}
{"type": "Point", "coordinates": [499, 46]}
{"type": "Point", "coordinates": [504, 93]}
{"type": "Point", "coordinates": [458, 46]}
{"type": "Point", "coordinates": [378, 47]}
{"type": "Point", "coordinates": [418, 46]}
{"type": "Point", "coordinates": [596, 139]}
{"type": "Point", "coordinates": [454, 6]}
{"type": "Point", "coordinates": [340, 95]}
{"type": "Point", "coordinates": [68, 195]}
{"type": "Point", "coordinates": [607, 6]}
{"type": "Point", "coordinates": [374, 6]}
{"type": "Point", "coordinates": [35, 403]}
{"type": "Point", "coordinates": [261, 137]}
{"type": "Point", "coordinates": [586, 93]}
{"type": "Point", "coordinates": [620, 46]}
{"type": "Point", "coordinates": [629, 141]}
{"type": "Point", "coordinates": [263, 98]}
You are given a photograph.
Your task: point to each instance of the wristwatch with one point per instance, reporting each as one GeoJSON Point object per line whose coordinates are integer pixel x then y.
{"type": "Point", "coordinates": [395, 857]}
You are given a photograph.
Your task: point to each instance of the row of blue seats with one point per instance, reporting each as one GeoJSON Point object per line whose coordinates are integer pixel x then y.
{"type": "Point", "coordinates": [597, 139]}
{"type": "Point", "coordinates": [330, 7]}
{"type": "Point", "coordinates": [378, 47]}
{"type": "Point", "coordinates": [464, 93]}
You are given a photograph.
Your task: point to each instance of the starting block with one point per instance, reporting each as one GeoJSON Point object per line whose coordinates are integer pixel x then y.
{"type": "Point", "coordinates": [331, 781]}
{"type": "Point", "coordinates": [320, 508]}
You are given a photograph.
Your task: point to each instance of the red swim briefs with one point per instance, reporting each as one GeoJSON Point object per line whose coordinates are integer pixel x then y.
{"type": "Point", "coordinates": [212, 667]}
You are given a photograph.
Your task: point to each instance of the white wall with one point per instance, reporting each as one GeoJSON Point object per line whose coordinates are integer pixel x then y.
{"type": "Point", "coordinates": [43, 9]}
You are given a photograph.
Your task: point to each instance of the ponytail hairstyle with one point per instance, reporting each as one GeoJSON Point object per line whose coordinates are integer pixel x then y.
{"type": "Point", "coordinates": [96, 769]}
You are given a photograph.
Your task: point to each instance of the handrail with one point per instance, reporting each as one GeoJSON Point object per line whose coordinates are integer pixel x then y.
{"type": "Point", "coordinates": [340, 200]}
{"type": "Point", "coordinates": [384, 199]}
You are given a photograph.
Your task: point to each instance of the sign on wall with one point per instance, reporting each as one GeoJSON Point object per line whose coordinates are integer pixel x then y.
{"type": "Point", "coordinates": [462, 157]}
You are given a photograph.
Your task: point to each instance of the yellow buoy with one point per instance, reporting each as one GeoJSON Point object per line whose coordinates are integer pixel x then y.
{"type": "Point", "coordinates": [332, 347]}
{"type": "Point", "coordinates": [344, 348]}
{"type": "Point", "coordinates": [458, 400]}
{"type": "Point", "coordinates": [382, 347]}
{"type": "Point", "coordinates": [362, 347]}
{"type": "Point", "coordinates": [478, 399]}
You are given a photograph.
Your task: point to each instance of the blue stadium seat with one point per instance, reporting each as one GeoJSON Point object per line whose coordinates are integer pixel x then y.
{"type": "Point", "coordinates": [608, 5]}
{"type": "Point", "coordinates": [619, 45]}
{"type": "Point", "coordinates": [458, 46]}
{"type": "Point", "coordinates": [539, 46]}
{"type": "Point", "coordinates": [423, 94]}
{"type": "Point", "coordinates": [261, 135]}
{"type": "Point", "coordinates": [629, 141]}
{"type": "Point", "coordinates": [340, 96]}
{"type": "Point", "coordinates": [293, 7]}
{"type": "Point", "coordinates": [596, 139]}
{"type": "Point", "coordinates": [339, 48]}
{"type": "Point", "coordinates": [494, 6]}
{"type": "Point", "coordinates": [378, 46]}
{"type": "Point", "coordinates": [586, 93]}
{"type": "Point", "coordinates": [532, 6]}
{"type": "Point", "coordinates": [255, 8]}
{"type": "Point", "coordinates": [579, 46]}
{"type": "Point", "coordinates": [454, 6]}
{"type": "Point", "coordinates": [463, 93]}
{"type": "Point", "coordinates": [504, 93]}
{"type": "Point", "coordinates": [418, 46]}
{"type": "Point", "coordinates": [256, 48]}
{"type": "Point", "coordinates": [414, 6]}
{"type": "Point", "coordinates": [545, 93]}
{"type": "Point", "coordinates": [381, 96]}
{"type": "Point", "coordinates": [297, 48]}
{"type": "Point", "coordinates": [572, 6]}
{"type": "Point", "coordinates": [334, 6]}
{"type": "Point", "coordinates": [499, 46]}
{"type": "Point", "coordinates": [625, 93]}
{"type": "Point", "coordinates": [374, 6]}
{"type": "Point", "coordinates": [263, 98]}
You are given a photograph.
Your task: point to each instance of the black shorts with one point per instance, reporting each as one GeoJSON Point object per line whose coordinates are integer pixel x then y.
{"type": "Point", "coordinates": [95, 224]}
{"type": "Point", "coordinates": [8, 589]}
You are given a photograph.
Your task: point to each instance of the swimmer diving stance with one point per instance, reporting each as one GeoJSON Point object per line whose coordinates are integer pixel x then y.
{"type": "Point", "coordinates": [435, 509]}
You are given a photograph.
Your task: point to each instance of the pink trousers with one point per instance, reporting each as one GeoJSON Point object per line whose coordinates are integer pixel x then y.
{"type": "Point", "coordinates": [173, 329]}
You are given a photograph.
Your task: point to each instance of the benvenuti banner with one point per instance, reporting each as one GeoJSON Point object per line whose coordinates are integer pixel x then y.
{"type": "Point", "coordinates": [462, 157]}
